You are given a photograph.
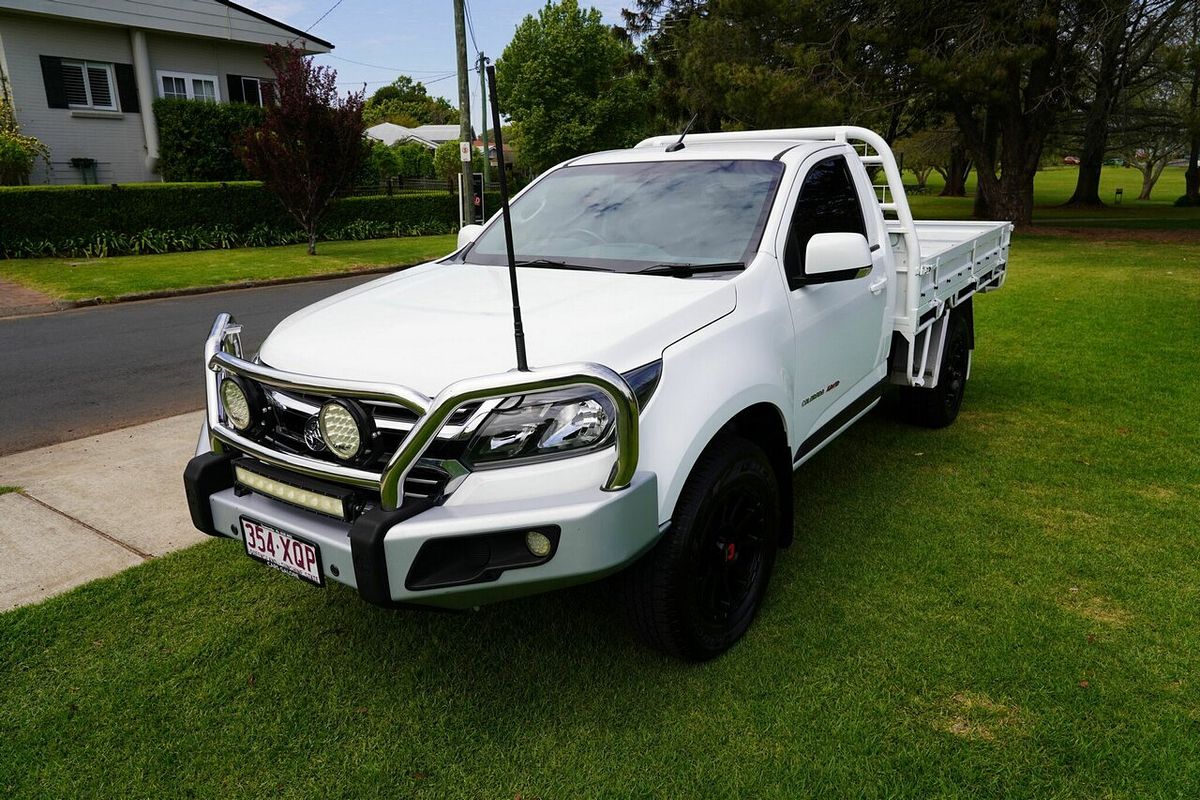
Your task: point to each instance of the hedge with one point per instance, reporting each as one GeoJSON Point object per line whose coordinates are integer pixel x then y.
{"type": "Point", "coordinates": [196, 139]}
{"type": "Point", "coordinates": [49, 215]}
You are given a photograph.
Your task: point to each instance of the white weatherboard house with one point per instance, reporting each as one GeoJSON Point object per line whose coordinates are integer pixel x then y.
{"type": "Point", "coordinates": [83, 74]}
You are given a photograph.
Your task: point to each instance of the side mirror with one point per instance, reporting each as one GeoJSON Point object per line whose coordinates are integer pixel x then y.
{"type": "Point", "coordinates": [468, 234]}
{"type": "Point", "coordinates": [835, 257]}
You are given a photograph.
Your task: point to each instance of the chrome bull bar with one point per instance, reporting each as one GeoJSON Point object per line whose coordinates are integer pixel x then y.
{"type": "Point", "coordinates": [223, 354]}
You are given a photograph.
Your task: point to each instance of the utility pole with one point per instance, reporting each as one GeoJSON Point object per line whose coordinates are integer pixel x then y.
{"type": "Point", "coordinates": [483, 116]}
{"type": "Point", "coordinates": [464, 112]}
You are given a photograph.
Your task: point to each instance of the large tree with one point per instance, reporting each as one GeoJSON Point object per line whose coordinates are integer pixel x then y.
{"type": "Point", "coordinates": [1004, 69]}
{"type": "Point", "coordinates": [407, 102]}
{"type": "Point", "coordinates": [311, 140]}
{"type": "Point", "coordinates": [567, 80]}
{"type": "Point", "coordinates": [1121, 49]}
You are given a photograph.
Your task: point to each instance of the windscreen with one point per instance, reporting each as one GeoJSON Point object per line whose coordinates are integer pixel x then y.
{"type": "Point", "coordinates": [629, 217]}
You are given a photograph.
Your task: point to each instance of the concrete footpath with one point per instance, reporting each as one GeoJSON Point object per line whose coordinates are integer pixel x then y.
{"type": "Point", "coordinates": [93, 507]}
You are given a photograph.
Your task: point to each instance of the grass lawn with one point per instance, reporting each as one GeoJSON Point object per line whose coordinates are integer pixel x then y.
{"type": "Point", "coordinates": [1053, 186]}
{"type": "Point", "coordinates": [1006, 608]}
{"type": "Point", "coordinates": [108, 278]}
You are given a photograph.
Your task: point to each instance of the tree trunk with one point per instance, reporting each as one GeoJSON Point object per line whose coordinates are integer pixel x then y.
{"type": "Point", "coordinates": [312, 241]}
{"type": "Point", "coordinates": [1095, 129]}
{"type": "Point", "coordinates": [1191, 177]}
{"type": "Point", "coordinates": [956, 173]}
{"type": "Point", "coordinates": [1147, 182]}
{"type": "Point", "coordinates": [1091, 163]}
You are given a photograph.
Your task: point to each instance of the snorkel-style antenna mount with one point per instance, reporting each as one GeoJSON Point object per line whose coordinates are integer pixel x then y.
{"type": "Point", "coordinates": [518, 330]}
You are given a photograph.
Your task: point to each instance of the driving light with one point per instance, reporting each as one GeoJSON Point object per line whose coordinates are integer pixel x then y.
{"type": "Point", "coordinates": [544, 424]}
{"type": "Point", "coordinates": [236, 403]}
{"type": "Point", "coordinates": [538, 544]}
{"type": "Point", "coordinates": [345, 427]}
{"type": "Point", "coordinates": [325, 504]}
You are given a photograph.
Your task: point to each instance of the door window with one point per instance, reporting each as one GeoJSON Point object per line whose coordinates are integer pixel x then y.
{"type": "Point", "coordinates": [828, 203]}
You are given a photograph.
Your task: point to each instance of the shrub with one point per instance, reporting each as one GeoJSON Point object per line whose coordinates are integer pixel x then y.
{"type": "Point", "coordinates": [158, 217]}
{"type": "Point", "coordinates": [196, 139]}
{"type": "Point", "coordinates": [18, 152]}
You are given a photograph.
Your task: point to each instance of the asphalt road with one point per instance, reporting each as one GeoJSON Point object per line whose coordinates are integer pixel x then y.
{"type": "Point", "coordinates": [77, 373]}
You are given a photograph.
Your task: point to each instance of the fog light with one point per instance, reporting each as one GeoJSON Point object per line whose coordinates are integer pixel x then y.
{"type": "Point", "coordinates": [538, 543]}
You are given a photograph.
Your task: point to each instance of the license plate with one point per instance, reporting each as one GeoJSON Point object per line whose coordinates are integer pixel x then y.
{"type": "Point", "coordinates": [283, 551]}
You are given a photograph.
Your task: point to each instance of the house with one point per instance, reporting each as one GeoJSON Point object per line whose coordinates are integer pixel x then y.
{"type": "Point", "coordinates": [83, 76]}
{"type": "Point", "coordinates": [429, 135]}
{"type": "Point", "coordinates": [508, 151]}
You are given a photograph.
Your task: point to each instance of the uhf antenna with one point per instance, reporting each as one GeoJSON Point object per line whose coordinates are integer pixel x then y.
{"type": "Point", "coordinates": [518, 330]}
{"type": "Point", "coordinates": [677, 145]}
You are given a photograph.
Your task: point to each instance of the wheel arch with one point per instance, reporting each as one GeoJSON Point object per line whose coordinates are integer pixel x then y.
{"type": "Point", "coordinates": [763, 424]}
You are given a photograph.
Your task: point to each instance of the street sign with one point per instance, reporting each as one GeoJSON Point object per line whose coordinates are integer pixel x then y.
{"type": "Point", "coordinates": [464, 151]}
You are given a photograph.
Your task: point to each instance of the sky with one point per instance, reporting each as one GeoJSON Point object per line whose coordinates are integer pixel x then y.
{"type": "Point", "coordinates": [376, 40]}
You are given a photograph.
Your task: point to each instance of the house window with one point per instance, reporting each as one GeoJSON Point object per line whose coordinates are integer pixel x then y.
{"type": "Point", "coordinates": [89, 85]}
{"type": "Point", "coordinates": [252, 91]}
{"type": "Point", "coordinates": [249, 89]}
{"type": "Point", "coordinates": [185, 86]}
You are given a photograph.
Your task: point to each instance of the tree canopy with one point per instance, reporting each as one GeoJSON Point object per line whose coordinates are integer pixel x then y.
{"type": "Point", "coordinates": [567, 80]}
{"type": "Point", "coordinates": [407, 102]}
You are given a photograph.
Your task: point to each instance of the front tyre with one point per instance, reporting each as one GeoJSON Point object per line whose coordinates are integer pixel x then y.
{"type": "Point", "coordinates": [698, 590]}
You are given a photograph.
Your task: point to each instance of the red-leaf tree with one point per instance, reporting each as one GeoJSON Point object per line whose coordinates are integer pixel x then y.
{"type": "Point", "coordinates": [311, 139]}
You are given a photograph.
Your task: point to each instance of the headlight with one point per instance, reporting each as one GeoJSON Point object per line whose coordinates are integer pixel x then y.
{"type": "Point", "coordinates": [345, 427]}
{"type": "Point", "coordinates": [235, 400]}
{"type": "Point", "coordinates": [544, 424]}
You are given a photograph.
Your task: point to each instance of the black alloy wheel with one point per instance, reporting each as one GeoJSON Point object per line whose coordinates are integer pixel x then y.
{"type": "Point", "coordinates": [938, 407]}
{"type": "Point", "coordinates": [697, 592]}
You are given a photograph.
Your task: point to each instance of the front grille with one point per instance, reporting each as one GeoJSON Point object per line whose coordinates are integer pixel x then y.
{"type": "Point", "coordinates": [290, 427]}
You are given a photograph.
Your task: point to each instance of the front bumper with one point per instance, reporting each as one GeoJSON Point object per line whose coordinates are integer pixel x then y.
{"type": "Point", "coordinates": [597, 533]}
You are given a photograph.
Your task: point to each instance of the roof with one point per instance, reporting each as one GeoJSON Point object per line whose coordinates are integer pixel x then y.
{"type": "Point", "coordinates": [706, 151]}
{"type": "Point", "coordinates": [431, 135]}
{"type": "Point", "coordinates": [210, 19]}
{"type": "Point", "coordinates": [389, 133]}
{"type": "Point", "coordinates": [438, 133]}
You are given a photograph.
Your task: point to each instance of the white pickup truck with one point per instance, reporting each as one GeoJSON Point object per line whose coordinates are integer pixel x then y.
{"type": "Point", "coordinates": [701, 320]}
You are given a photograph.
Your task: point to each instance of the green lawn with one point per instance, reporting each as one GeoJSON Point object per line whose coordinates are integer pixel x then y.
{"type": "Point", "coordinates": [1006, 608]}
{"type": "Point", "coordinates": [1053, 187]}
{"type": "Point", "coordinates": [109, 278]}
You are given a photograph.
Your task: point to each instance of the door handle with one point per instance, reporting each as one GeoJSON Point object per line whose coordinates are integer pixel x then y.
{"type": "Point", "coordinates": [878, 285]}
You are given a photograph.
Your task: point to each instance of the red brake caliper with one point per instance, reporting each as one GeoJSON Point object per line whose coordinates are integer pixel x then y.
{"type": "Point", "coordinates": [730, 551]}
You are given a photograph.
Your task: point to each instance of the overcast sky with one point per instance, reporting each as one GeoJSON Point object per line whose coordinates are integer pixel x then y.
{"type": "Point", "coordinates": [375, 40]}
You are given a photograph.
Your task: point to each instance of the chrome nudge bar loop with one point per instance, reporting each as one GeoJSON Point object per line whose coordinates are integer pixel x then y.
{"type": "Point", "coordinates": [223, 351]}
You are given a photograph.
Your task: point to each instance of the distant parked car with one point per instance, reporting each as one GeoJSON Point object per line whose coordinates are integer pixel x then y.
{"type": "Point", "coordinates": [1072, 160]}
{"type": "Point", "coordinates": [1114, 162]}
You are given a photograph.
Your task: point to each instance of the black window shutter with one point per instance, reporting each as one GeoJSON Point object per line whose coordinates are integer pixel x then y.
{"type": "Point", "coordinates": [127, 88]}
{"type": "Point", "coordinates": [56, 92]}
{"type": "Point", "coordinates": [235, 89]}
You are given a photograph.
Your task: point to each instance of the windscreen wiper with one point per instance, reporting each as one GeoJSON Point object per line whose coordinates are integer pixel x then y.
{"type": "Point", "coordinates": [687, 270]}
{"type": "Point", "coordinates": [552, 264]}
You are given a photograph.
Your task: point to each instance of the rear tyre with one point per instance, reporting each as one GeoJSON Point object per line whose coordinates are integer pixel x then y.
{"type": "Point", "coordinates": [697, 592]}
{"type": "Point", "coordinates": [938, 407]}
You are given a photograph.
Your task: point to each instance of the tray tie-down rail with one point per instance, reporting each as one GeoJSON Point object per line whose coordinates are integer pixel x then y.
{"type": "Point", "coordinates": [223, 355]}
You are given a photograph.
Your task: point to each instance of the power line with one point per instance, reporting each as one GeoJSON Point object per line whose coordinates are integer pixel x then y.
{"type": "Point", "coordinates": [323, 16]}
{"type": "Point", "coordinates": [471, 25]}
{"type": "Point", "coordinates": [390, 69]}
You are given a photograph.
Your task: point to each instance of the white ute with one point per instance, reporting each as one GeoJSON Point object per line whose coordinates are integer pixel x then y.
{"type": "Point", "coordinates": [701, 320]}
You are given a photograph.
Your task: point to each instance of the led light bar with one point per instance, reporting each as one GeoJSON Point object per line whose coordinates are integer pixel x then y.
{"type": "Point", "coordinates": [305, 498]}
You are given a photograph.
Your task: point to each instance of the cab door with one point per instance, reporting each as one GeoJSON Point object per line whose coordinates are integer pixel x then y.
{"type": "Point", "coordinates": [838, 318]}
